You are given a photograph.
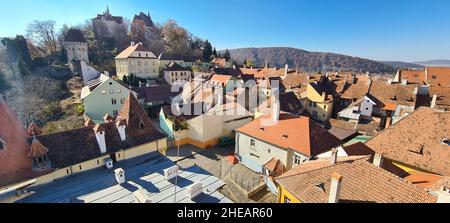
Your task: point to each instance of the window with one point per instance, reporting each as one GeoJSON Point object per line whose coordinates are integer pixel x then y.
{"type": "Point", "coordinates": [111, 91]}
{"type": "Point", "coordinates": [67, 171]}
{"type": "Point", "coordinates": [324, 106]}
{"type": "Point", "coordinates": [115, 112]}
{"type": "Point", "coordinates": [113, 101]}
{"type": "Point", "coordinates": [269, 151]}
{"type": "Point", "coordinates": [79, 166]}
{"type": "Point", "coordinates": [434, 77]}
{"type": "Point", "coordinates": [287, 200]}
{"type": "Point", "coordinates": [297, 160]}
{"type": "Point", "coordinates": [122, 101]}
{"type": "Point", "coordinates": [103, 91]}
{"type": "Point", "coordinates": [119, 91]}
{"type": "Point", "coordinates": [252, 142]}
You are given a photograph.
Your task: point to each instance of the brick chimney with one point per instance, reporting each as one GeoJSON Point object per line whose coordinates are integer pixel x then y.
{"type": "Point", "coordinates": [335, 188]}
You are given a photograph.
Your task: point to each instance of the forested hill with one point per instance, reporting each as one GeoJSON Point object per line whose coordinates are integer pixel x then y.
{"type": "Point", "coordinates": [308, 61]}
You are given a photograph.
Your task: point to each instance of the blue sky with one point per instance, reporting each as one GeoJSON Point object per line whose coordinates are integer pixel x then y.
{"type": "Point", "coordinates": [406, 30]}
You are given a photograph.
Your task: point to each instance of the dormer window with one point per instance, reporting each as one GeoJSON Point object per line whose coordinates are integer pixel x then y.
{"type": "Point", "coordinates": [446, 141]}
{"type": "Point", "coordinates": [40, 163]}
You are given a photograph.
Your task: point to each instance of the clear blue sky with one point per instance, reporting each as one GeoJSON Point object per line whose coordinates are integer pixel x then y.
{"type": "Point", "coordinates": [407, 30]}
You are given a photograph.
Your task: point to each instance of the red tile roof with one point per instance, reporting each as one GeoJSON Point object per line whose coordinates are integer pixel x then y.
{"type": "Point", "coordinates": [294, 132]}
{"type": "Point", "coordinates": [361, 182]}
{"type": "Point", "coordinates": [416, 140]}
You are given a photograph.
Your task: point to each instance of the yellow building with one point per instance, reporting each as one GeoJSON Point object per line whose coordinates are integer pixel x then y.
{"type": "Point", "coordinates": [319, 101]}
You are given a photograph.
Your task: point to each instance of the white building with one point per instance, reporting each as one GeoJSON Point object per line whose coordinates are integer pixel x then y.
{"type": "Point", "coordinates": [137, 60]}
{"type": "Point", "coordinates": [106, 26]}
{"type": "Point", "coordinates": [76, 46]}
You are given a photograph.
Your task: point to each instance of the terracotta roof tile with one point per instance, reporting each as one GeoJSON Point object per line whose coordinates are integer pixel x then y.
{"type": "Point", "coordinates": [303, 134]}
{"type": "Point", "coordinates": [361, 182]}
{"type": "Point", "coordinates": [417, 140]}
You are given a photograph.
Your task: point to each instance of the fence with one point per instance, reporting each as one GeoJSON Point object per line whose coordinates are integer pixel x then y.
{"type": "Point", "coordinates": [245, 183]}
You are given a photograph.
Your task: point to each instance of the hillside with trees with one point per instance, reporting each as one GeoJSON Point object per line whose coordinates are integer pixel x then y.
{"type": "Point", "coordinates": [307, 61]}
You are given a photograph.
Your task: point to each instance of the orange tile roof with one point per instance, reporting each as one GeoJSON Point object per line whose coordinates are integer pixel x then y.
{"type": "Point", "coordinates": [358, 89]}
{"type": "Point", "coordinates": [221, 79]}
{"type": "Point", "coordinates": [424, 180]}
{"type": "Point", "coordinates": [361, 182]}
{"type": "Point", "coordinates": [439, 76]}
{"type": "Point", "coordinates": [301, 134]}
{"type": "Point", "coordinates": [416, 140]}
{"type": "Point", "coordinates": [413, 76]}
{"type": "Point", "coordinates": [395, 93]}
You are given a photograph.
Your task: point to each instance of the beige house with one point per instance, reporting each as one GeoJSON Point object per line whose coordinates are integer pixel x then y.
{"type": "Point", "coordinates": [137, 60]}
{"type": "Point", "coordinates": [174, 72]}
{"type": "Point", "coordinates": [203, 129]}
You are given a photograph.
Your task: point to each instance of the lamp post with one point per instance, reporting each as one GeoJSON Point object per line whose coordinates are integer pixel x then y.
{"type": "Point", "coordinates": [178, 155]}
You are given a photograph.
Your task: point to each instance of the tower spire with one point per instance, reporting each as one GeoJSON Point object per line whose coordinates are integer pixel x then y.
{"type": "Point", "coordinates": [107, 9]}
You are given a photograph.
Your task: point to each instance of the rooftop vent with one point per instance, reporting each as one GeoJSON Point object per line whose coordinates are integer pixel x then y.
{"type": "Point", "coordinates": [285, 135]}
{"type": "Point", "coordinates": [262, 129]}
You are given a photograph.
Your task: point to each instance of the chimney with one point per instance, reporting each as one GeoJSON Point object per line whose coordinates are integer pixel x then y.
{"type": "Point", "coordinates": [404, 82]}
{"type": "Point", "coordinates": [324, 96]}
{"type": "Point", "coordinates": [378, 160]}
{"type": "Point", "coordinates": [106, 73]}
{"type": "Point", "coordinates": [286, 70]}
{"type": "Point", "coordinates": [333, 158]}
{"type": "Point", "coordinates": [443, 195]}
{"type": "Point", "coordinates": [132, 43]}
{"type": "Point", "coordinates": [120, 175]}
{"type": "Point", "coordinates": [275, 109]}
{"type": "Point", "coordinates": [100, 136]}
{"type": "Point", "coordinates": [389, 81]}
{"type": "Point", "coordinates": [433, 101]}
{"type": "Point", "coordinates": [234, 67]}
{"type": "Point", "coordinates": [335, 188]}
{"type": "Point", "coordinates": [121, 127]}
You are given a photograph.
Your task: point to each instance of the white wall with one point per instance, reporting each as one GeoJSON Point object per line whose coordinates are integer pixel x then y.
{"type": "Point", "coordinates": [366, 107]}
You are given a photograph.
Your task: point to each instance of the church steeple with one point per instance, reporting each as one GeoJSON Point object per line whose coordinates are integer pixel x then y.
{"type": "Point", "coordinates": [107, 10]}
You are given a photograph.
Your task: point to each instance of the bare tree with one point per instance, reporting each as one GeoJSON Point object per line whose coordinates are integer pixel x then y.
{"type": "Point", "coordinates": [175, 37]}
{"type": "Point", "coordinates": [43, 33]}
